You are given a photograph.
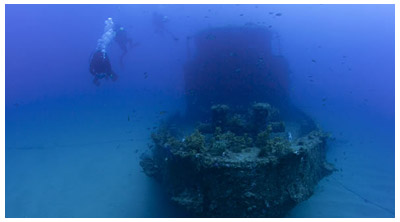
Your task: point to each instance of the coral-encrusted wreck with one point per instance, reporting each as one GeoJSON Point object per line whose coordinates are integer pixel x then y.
{"type": "Point", "coordinates": [250, 164]}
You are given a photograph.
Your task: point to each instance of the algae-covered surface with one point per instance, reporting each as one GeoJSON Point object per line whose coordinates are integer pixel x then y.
{"type": "Point", "coordinates": [226, 169]}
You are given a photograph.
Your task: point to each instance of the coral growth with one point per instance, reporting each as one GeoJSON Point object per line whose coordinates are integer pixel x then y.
{"type": "Point", "coordinates": [239, 165]}
{"type": "Point", "coordinates": [195, 142]}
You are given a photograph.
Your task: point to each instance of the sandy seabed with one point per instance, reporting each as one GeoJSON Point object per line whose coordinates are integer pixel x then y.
{"type": "Point", "coordinates": [83, 161]}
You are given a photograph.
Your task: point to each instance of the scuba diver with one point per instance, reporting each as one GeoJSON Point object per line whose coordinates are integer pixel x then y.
{"type": "Point", "coordinates": [159, 22]}
{"type": "Point", "coordinates": [100, 66]}
{"type": "Point", "coordinates": [121, 37]}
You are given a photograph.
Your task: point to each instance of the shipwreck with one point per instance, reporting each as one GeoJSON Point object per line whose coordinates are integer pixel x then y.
{"type": "Point", "coordinates": [242, 149]}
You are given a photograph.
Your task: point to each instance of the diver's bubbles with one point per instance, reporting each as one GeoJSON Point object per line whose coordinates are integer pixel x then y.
{"type": "Point", "coordinates": [107, 36]}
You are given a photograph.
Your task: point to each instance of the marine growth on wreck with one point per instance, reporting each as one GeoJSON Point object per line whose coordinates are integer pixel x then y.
{"type": "Point", "coordinates": [238, 165]}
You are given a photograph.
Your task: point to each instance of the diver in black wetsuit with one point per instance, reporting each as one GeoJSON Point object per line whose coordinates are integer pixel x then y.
{"type": "Point", "coordinates": [100, 67]}
{"type": "Point", "coordinates": [121, 37]}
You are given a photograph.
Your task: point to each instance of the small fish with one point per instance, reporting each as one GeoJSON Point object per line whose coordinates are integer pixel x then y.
{"type": "Point", "coordinates": [136, 151]}
{"type": "Point", "coordinates": [270, 26]}
{"type": "Point", "coordinates": [310, 76]}
{"type": "Point", "coordinates": [129, 119]}
{"type": "Point", "coordinates": [324, 99]}
{"type": "Point", "coordinates": [16, 105]}
{"type": "Point", "coordinates": [278, 14]}
{"type": "Point", "coordinates": [241, 14]}
{"type": "Point", "coordinates": [163, 112]}
{"type": "Point", "coordinates": [145, 75]}
{"type": "Point", "coordinates": [271, 13]}
{"type": "Point", "coordinates": [313, 60]}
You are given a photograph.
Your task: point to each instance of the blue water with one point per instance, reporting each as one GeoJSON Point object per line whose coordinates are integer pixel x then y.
{"type": "Point", "coordinates": [72, 148]}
